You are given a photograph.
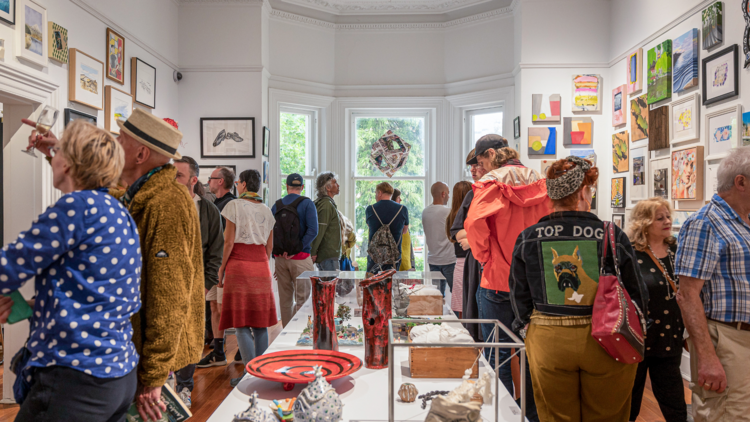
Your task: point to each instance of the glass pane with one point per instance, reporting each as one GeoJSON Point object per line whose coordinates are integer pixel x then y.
{"type": "Point", "coordinates": [412, 196]}
{"type": "Point", "coordinates": [483, 124]}
{"type": "Point", "coordinates": [410, 130]}
{"type": "Point", "coordinates": [294, 143]}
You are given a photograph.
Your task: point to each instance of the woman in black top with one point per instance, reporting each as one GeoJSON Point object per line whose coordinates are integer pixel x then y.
{"type": "Point", "coordinates": [650, 231]}
{"type": "Point", "coordinates": [460, 190]}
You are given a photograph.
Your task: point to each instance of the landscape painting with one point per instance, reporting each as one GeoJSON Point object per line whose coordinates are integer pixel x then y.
{"type": "Point", "coordinates": [660, 72]}
{"type": "Point", "coordinates": [586, 93]}
{"type": "Point", "coordinates": [542, 141]}
{"type": "Point", "coordinates": [618, 106]}
{"type": "Point", "coordinates": [8, 11]}
{"type": "Point", "coordinates": [85, 79]}
{"type": "Point", "coordinates": [33, 21]}
{"type": "Point", "coordinates": [541, 113]}
{"type": "Point", "coordinates": [620, 152]}
{"type": "Point", "coordinates": [685, 57]}
{"type": "Point", "coordinates": [635, 71]}
{"type": "Point", "coordinates": [639, 118]}
{"type": "Point", "coordinates": [118, 105]}
{"type": "Point", "coordinates": [713, 28]}
{"type": "Point", "coordinates": [687, 173]}
{"type": "Point", "coordinates": [32, 30]}
{"type": "Point", "coordinates": [578, 131]}
{"type": "Point", "coordinates": [618, 192]}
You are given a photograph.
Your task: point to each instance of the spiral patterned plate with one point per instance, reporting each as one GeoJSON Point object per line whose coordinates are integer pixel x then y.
{"type": "Point", "coordinates": [296, 366]}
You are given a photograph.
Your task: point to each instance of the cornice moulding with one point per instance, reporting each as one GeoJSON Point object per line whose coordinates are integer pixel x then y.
{"type": "Point", "coordinates": [229, 68]}
{"type": "Point", "coordinates": [239, 2]}
{"type": "Point", "coordinates": [364, 7]}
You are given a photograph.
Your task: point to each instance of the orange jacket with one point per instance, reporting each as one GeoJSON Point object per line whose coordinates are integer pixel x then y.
{"type": "Point", "coordinates": [498, 214]}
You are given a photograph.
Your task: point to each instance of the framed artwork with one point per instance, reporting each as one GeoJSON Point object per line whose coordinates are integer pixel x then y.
{"type": "Point", "coordinates": [679, 217]}
{"type": "Point", "coordinates": [590, 155]}
{"type": "Point", "coordinates": [205, 172]}
{"type": "Point", "coordinates": [143, 82]}
{"type": "Point", "coordinates": [265, 196]}
{"type": "Point", "coordinates": [118, 105]}
{"type": "Point", "coordinates": [619, 220]}
{"type": "Point", "coordinates": [711, 180]}
{"type": "Point", "coordinates": [545, 164]}
{"type": "Point", "coordinates": [517, 127]}
{"type": "Point", "coordinates": [620, 152]}
{"type": "Point", "coordinates": [685, 118]}
{"type": "Point", "coordinates": [58, 41]}
{"type": "Point", "coordinates": [635, 71]}
{"type": "Point", "coordinates": [618, 105]}
{"type": "Point", "coordinates": [542, 141]}
{"type": "Point", "coordinates": [266, 140]}
{"type": "Point", "coordinates": [659, 177]}
{"type": "Point", "coordinates": [721, 75]}
{"type": "Point", "coordinates": [72, 115]}
{"type": "Point", "coordinates": [227, 137]}
{"type": "Point", "coordinates": [658, 132]}
{"type": "Point", "coordinates": [722, 131]}
{"type": "Point", "coordinates": [544, 113]}
{"type": "Point", "coordinates": [685, 56]}
{"type": "Point", "coordinates": [578, 131]}
{"type": "Point", "coordinates": [115, 57]}
{"type": "Point", "coordinates": [746, 37]}
{"type": "Point", "coordinates": [687, 173]}
{"type": "Point", "coordinates": [639, 118]}
{"type": "Point", "coordinates": [660, 72]}
{"type": "Point", "coordinates": [85, 79]}
{"type": "Point", "coordinates": [8, 11]}
{"type": "Point", "coordinates": [745, 128]}
{"type": "Point", "coordinates": [638, 187]}
{"type": "Point", "coordinates": [712, 18]}
{"type": "Point", "coordinates": [265, 172]}
{"type": "Point", "coordinates": [617, 195]}
{"type": "Point", "coordinates": [31, 32]}
{"type": "Point", "coordinates": [586, 93]}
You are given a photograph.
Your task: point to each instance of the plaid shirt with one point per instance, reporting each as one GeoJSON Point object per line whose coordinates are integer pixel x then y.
{"type": "Point", "coordinates": [714, 245]}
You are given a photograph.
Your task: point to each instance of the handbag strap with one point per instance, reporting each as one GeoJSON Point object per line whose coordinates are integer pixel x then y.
{"type": "Point", "coordinates": [610, 242]}
{"type": "Point", "coordinates": [658, 264]}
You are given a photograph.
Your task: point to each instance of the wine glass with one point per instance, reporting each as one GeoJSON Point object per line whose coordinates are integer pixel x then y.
{"type": "Point", "coordinates": [44, 123]}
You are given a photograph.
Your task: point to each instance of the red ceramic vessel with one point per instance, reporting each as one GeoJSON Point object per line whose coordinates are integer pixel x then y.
{"type": "Point", "coordinates": [291, 367]}
{"type": "Point", "coordinates": [324, 326]}
{"type": "Point", "coordinates": [376, 311]}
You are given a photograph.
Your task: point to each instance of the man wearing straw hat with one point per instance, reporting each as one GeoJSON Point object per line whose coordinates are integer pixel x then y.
{"type": "Point", "coordinates": [168, 330]}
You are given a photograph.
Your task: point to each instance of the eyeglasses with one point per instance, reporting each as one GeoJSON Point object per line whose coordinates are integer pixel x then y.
{"type": "Point", "coordinates": [54, 151]}
{"type": "Point", "coordinates": [215, 178]}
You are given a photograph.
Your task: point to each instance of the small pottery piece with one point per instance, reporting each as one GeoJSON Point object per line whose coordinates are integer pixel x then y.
{"type": "Point", "coordinates": [318, 402]}
{"type": "Point", "coordinates": [283, 409]}
{"type": "Point", "coordinates": [408, 392]}
{"type": "Point", "coordinates": [324, 327]}
{"type": "Point", "coordinates": [376, 311]}
{"type": "Point", "coordinates": [443, 410]}
{"type": "Point", "coordinates": [254, 413]}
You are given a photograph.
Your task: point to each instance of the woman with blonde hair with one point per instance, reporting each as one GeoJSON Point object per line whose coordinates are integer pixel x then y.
{"type": "Point", "coordinates": [650, 232]}
{"type": "Point", "coordinates": [83, 253]}
{"type": "Point", "coordinates": [460, 190]}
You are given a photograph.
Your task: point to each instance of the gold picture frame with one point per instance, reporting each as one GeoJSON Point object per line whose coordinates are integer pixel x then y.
{"type": "Point", "coordinates": [85, 79]}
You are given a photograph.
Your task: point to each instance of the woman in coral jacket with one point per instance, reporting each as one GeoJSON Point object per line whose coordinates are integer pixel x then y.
{"type": "Point", "coordinates": [507, 200]}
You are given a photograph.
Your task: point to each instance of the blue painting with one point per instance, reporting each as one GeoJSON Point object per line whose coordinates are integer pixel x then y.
{"type": "Point", "coordinates": [5, 6]}
{"type": "Point", "coordinates": [745, 129]}
{"type": "Point", "coordinates": [33, 30]}
{"type": "Point", "coordinates": [722, 134]}
{"type": "Point", "coordinates": [542, 141]}
{"type": "Point", "coordinates": [685, 59]}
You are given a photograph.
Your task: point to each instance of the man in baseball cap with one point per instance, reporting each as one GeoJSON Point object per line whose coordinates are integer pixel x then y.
{"type": "Point", "coordinates": [486, 143]}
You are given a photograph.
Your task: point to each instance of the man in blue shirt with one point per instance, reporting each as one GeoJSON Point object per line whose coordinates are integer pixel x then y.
{"type": "Point", "coordinates": [386, 211]}
{"type": "Point", "coordinates": [290, 263]}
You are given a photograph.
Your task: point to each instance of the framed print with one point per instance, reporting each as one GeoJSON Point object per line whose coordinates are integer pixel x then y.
{"type": "Point", "coordinates": [578, 131]}
{"type": "Point", "coordinates": [85, 79]}
{"type": "Point", "coordinates": [635, 71]}
{"type": "Point", "coordinates": [266, 140]}
{"type": "Point", "coordinates": [685, 56]}
{"type": "Point", "coordinates": [265, 172]}
{"type": "Point", "coordinates": [617, 195]}
{"type": "Point", "coordinates": [204, 172]}
{"type": "Point", "coordinates": [72, 115]}
{"type": "Point", "coordinates": [31, 32]}
{"type": "Point", "coordinates": [639, 118]}
{"type": "Point", "coordinates": [619, 220]}
{"type": "Point", "coordinates": [588, 154]}
{"type": "Point", "coordinates": [721, 75]}
{"type": "Point", "coordinates": [542, 141]}
{"type": "Point", "coordinates": [517, 127]}
{"type": "Point", "coordinates": [587, 93]}
{"type": "Point", "coordinates": [712, 182]}
{"type": "Point", "coordinates": [620, 152]}
{"type": "Point", "coordinates": [658, 130]}
{"type": "Point", "coordinates": [58, 42]}
{"type": "Point", "coordinates": [722, 131]}
{"type": "Point", "coordinates": [684, 118]}
{"type": "Point", "coordinates": [8, 11]}
{"type": "Point", "coordinates": [143, 82]}
{"type": "Point", "coordinates": [639, 159]}
{"type": "Point", "coordinates": [227, 137]}
{"type": "Point", "coordinates": [618, 105]}
{"type": "Point", "coordinates": [660, 72]}
{"type": "Point", "coordinates": [544, 112]}
{"type": "Point", "coordinates": [687, 173]}
{"type": "Point", "coordinates": [115, 57]}
{"type": "Point", "coordinates": [745, 129]}
{"type": "Point", "coordinates": [659, 177]}
{"type": "Point", "coordinates": [712, 18]}
{"type": "Point", "coordinates": [118, 105]}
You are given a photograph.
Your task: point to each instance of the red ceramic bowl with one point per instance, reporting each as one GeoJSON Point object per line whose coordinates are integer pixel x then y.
{"type": "Point", "coordinates": [296, 366]}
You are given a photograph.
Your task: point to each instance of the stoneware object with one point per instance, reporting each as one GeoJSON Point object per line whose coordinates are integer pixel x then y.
{"type": "Point", "coordinates": [376, 311]}
{"type": "Point", "coordinates": [408, 392]}
{"type": "Point", "coordinates": [318, 402]}
{"type": "Point", "coordinates": [254, 413]}
{"type": "Point", "coordinates": [324, 326]}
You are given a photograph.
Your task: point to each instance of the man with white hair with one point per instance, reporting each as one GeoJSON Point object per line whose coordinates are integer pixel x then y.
{"type": "Point", "coordinates": [326, 248]}
{"type": "Point", "coordinates": [713, 265]}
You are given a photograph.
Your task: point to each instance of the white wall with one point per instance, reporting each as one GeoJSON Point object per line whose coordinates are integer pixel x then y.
{"type": "Point", "coordinates": [479, 50]}
{"type": "Point", "coordinates": [302, 52]}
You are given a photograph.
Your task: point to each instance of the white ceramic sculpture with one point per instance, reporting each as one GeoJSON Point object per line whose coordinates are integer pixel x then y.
{"type": "Point", "coordinates": [318, 402]}
{"type": "Point", "coordinates": [466, 391]}
{"type": "Point", "coordinates": [255, 413]}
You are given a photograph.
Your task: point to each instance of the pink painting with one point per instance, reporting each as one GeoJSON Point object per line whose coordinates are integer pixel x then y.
{"type": "Point", "coordinates": [618, 105]}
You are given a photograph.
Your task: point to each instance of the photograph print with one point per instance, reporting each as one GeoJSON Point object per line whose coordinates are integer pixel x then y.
{"type": "Point", "coordinates": [8, 11]}
{"type": "Point", "coordinates": [265, 171]}
{"type": "Point", "coordinates": [143, 82]}
{"type": "Point", "coordinates": [115, 57]}
{"type": "Point", "coordinates": [713, 27]}
{"type": "Point", "coordinates": [721, 75]}
{"type": "Point", "coordinates": [31, 32]}
{"type": "Point", "coordinates": [227, 137]}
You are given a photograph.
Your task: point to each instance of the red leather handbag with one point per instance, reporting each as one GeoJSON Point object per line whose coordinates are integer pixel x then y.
{"type": "Point", "coordinates": [617, 323]}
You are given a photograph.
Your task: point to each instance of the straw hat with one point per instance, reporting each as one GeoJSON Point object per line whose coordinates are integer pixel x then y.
{"type": "Point", "coordinates": [152, 132]}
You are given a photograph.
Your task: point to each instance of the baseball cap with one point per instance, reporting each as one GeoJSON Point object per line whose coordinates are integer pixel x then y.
{"type": "Point", "coordinates": [294, 179]}
{"type": "Point", "coordinates": [491, 141]}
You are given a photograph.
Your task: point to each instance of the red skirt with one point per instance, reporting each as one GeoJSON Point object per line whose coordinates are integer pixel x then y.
{"type": "Point", "coordinates": [248, 291]}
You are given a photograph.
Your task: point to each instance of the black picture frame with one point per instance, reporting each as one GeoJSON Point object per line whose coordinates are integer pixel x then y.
{"type": "Point", "coordinates": [72, 114]}
{"type": "Point", "coordinates": [12, 3]}
{"type": "Point", "coordinates": [205, 169]}
{"type": "Point", "coordinates": [266, 140]}
{"type": "Point", "coordinates": [134, 81]}
{"type": "Point", "coordinates": [205, 120]}
{"type": "Point", "coordinates": [622, 221]}
{"type": "Point", "coordinates": [517, 127]}
{"type": "Point", "coordinates": [734, 50]}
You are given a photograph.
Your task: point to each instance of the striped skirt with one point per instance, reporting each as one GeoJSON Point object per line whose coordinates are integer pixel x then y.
{"type": "Point", "coordinates": [248, 290]}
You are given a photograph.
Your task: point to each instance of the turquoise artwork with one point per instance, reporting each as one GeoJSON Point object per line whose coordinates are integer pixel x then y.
{"type": "Point", "coordinates": [685, 59]}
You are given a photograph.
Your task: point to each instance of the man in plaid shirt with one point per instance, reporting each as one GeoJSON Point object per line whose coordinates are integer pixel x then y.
{"type": "Point", "coordinates": [713, 266]}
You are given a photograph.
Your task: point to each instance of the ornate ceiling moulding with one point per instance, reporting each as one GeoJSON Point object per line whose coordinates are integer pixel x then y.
{"type": "Point", "coordinates": [365, 7]}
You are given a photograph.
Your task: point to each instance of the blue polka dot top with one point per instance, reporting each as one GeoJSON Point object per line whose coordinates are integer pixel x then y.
{"type": "Point", "coordinates": [85, 254]}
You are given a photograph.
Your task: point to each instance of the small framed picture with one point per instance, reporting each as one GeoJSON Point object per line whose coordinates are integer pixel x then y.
{"type": "Point", "coordinates": [8, 11]}
{"type": "Point", "coordinates": [745, 129]}
{"type": "Point", "coordinates": [723, 131]}
{"type": "Point", "coordinates": [687, 173]}
{"type": "Point", "coordinates": [619, 220]}
{"type": "Point", "coordinates": [118, 105]}
{"type": "Point", "coordinates": [721, 75]}
{"type": "Point", "coordinates": [72, 115]}
{"type": "Point", "coordinates": [85, 79]}
{"type": "Point", "coordinates": [143, 82]}
{"type": "Point", "coordinates": [31, 32]}
{"type": "Point", "coordinates": [638, 187]}
{"type": "Point", "coordinates": [517, 127]}
{"type": "Point", "coordinates": [659, 177]}
{"type": "Point", "coordinates": [265, 171]}
{"type": "Point", "coordinates": [684, 119]}
{"type": "Point", "coordinates": [115, 57]}
{"type": "Point", "coordinates": [205, 172]}
{"type": "Point", "coordinates": [619, 95]}
{"type": "Point", "coordinates": [617, 195]}
{"type": "Point", "coordinates": [266, 140]}
{"type": "Point", "coordinates": [58, 41]}
{"type": "Point", "coordinates": [227, 137]}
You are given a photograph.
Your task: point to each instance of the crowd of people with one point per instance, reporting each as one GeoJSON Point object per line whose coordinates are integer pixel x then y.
{"type": "Point", "coordinates": [137, 267]}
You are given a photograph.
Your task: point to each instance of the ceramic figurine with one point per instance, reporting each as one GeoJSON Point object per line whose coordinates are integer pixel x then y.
{"type": "Point", "coordinates": [485, 387]}
{"type": "Point", "coordinates": [318, 402]}
{"type": "Point", "coordinates": [324, 327]}
{"type": "Point", "coordinates": [443, 410]}
{"type": "Point", "coordinates": [283, 409]}
{"type": "Point", "coordinates": [477, 398]}
{"type": "Point", "coordinates": [408, 392]}
{"type": "Point", "coordinates": [471, 391]}
{"type": "Point", "coordinates": [376, 311]}
{"type": "Point", "coordinates": [254, 413]}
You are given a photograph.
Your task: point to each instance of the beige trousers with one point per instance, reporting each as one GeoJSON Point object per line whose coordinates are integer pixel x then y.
{"type": "Point", "coordinates": [292, 293]}
{"type": "Point", "coordinates": [733, 349]}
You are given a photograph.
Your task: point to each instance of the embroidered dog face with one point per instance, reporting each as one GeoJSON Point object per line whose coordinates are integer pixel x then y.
{"type": "Point", "coordinates": [566, 269]}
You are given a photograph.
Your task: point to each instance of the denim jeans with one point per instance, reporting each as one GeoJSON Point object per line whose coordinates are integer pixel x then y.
{"type": "Point", "coordinates": [252, 342]}
{"type": "Point", "coordinates": [330, 264]}
{"type": "Point", "coordinates": [184, 378]}
{"type": "Point", "coordinates": [447, 271]}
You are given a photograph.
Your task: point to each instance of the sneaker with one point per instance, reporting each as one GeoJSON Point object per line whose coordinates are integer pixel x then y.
{"type": "Point", "coordinates": [186, 397]}
{"type": "Point", "coordinates": [234, 381]}
{"type": "Point", "coordinates": [238, 357]}
{"type": "Point", "coordinates": [212, 359]}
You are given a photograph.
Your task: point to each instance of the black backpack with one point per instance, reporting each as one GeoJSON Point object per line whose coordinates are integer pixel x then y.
{"type": "Point", "coordinates": [286, 231]}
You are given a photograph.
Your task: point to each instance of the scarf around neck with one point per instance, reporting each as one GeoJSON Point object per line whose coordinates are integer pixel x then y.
{"type": "Point", "coordinates": [135, 187]}
{"type": "Point", "coordinates": [252, 196]}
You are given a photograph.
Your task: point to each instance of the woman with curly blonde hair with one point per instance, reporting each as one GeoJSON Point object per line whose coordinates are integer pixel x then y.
{"type": "Point", "coordinates": [650, 232]}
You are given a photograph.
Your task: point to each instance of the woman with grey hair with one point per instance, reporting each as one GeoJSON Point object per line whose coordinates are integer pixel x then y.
{"type": "Point", "coordinates": [326, 248]}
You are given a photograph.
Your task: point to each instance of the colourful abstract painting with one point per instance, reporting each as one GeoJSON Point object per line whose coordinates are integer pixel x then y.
{"type": "Point", "coordinates": [618, 106]}
{"type": "Point", "coordinates": [541, 113]}
{"type": "Point", "coordinates": [635, 71]}
{"type": "Point", "coordinates": [713, 28]}
{"type": "Point", "coordinates": [620, 152]}
{"type": "Point", "coordinates": [586, 92]}
{"type": "Point", "coordinates": [58, 42]}
{"type": "Point", "coordinates": [745, 128]}
{"type": "Point", "coordinates": [578, 131]}
{"type": "Point", "coordinates": [660, 72]}
{"type": "Point", "coordinates": [542, 141]}
{"type": "Point", "coordinates": [685, 173]}
{"type": "Point", "coordinates": [685, 58]}
{"type": "Point", "coordinates": [618, 192]}
{"type": "Point", "coordinates": [639, 118]}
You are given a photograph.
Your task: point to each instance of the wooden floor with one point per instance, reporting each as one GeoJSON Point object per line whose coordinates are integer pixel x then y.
{"type": "Point", "coordinates": [212, 386]}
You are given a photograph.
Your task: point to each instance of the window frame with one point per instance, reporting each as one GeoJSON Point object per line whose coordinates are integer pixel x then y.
{"type": "Point", "coordinates": [311, 148]}
{"type": "Point", "coordinates": [468, 125]}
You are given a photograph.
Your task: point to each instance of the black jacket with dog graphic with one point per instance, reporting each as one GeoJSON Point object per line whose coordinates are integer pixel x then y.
{"type": "Point", "coordinates": [556, 266]}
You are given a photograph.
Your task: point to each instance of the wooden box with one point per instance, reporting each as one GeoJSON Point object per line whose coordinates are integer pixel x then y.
{"type": "Point", "coordinates": [425, 305]}
{"type": "Point", "coordinates": [443, 362]}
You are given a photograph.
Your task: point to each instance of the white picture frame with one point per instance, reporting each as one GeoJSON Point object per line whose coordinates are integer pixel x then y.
{"type": "Point", "coordinates": [665, 164]}
{"type": "Point", "coordinates": [711, 185]}
{"type": "Point", "coordinates": [32, 48]}
{"type": "Point", "coordinates": [684, 119]}
{"type": "Point", "coordinates": [718, 142]}
{"type": "Point", "coordinates": [640, 191]}
{"type": "Point", "coordinates": [118, 105]}
{"type": "Point", "coordinates": [85, 79]}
